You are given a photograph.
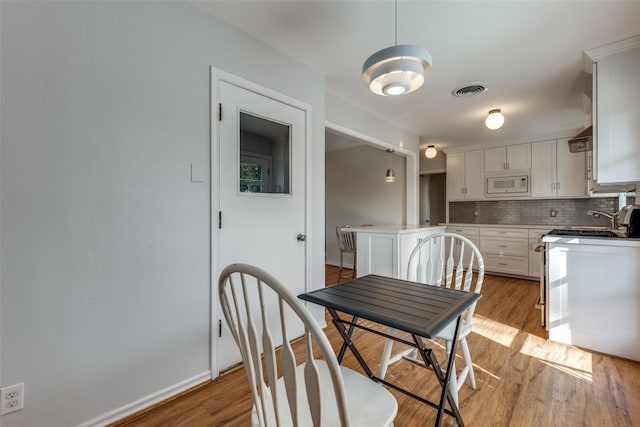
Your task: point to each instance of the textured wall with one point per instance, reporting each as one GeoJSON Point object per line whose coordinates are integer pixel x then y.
{"type": "Point", "coordinates": [568, 211]}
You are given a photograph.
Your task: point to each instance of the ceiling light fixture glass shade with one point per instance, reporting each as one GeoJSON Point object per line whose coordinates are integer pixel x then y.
{"type": "Point", "coordinates": [494, 120]}
{"type": "Point", "coordinates": [430, 152]}
{"type": "Point", "coordinates": [396, 70]}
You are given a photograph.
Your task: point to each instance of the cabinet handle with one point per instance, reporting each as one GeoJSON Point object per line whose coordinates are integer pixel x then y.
{"type": "Point", "coordinates": [503, 264]}
{"type": "Point", "coordinates": [557, 185]}
{"type": "Point", "coordinates": [502, 246]}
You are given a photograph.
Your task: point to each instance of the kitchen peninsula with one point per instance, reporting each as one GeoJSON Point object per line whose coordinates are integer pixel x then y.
{"type": "Point", "coordinates": [593, 293]}
{"type": "Point", "coordinates": [385, 249]}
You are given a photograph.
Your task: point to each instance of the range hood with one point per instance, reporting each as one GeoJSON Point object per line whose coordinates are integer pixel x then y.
{"type": "Point", "coordinates": [582, 141]}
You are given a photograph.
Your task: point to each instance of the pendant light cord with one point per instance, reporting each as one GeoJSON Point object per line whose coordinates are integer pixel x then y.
{"type": "Point", "coordinates": [396, 23]}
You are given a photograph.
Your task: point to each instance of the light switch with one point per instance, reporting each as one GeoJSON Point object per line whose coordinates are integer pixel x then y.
{"type": "Point", "coordinates": [196, 173]}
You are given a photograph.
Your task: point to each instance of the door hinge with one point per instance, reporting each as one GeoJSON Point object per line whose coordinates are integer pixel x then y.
{"type": "Point", "coordinates": [220, 111]}
{"type": "Point", "coordinates": [219, 219]}
{"type": "Point", "coordinates": [219, 328]}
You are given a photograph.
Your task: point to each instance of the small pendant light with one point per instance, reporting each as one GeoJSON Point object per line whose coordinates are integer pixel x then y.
{"type": "Point", "coordinates": [391, 175]}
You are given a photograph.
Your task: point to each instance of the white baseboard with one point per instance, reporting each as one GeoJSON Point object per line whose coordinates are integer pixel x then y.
{"type": "Point", "coordinates": [145, 402]}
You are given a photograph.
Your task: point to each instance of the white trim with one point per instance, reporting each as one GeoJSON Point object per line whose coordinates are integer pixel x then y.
{"type": "Point", "coordinates": [433, 171]}
{"type": "Point", "coordinates": [217, 76]}
{"type": "Point", "coordinates": [412, 175]}
{"type": "Point", "coordinates": [145, 402]}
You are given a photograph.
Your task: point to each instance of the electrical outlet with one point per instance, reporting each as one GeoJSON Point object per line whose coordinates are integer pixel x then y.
{"type": "Point", "coordinates": [11, 398]}
{"type": "Point", "coordinates": [552, 213]}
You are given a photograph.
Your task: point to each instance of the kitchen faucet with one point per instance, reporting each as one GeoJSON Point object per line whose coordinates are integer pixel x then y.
{"type": "Point", "coordinates": [613, 217]}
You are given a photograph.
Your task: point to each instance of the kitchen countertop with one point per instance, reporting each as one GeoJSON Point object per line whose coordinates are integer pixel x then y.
{"type": "Point", "coordinates": [393, 228]}
{"type": "Point", "coordinates": [593, 241]}
{"type": "Point", "coordinates": [536, 226]}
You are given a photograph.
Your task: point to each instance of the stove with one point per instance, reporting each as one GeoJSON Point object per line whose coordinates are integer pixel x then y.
{"type": "Point", "coordinates": [581, 232]}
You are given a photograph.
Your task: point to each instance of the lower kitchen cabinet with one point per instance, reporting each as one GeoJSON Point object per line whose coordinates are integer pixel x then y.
{"type": "Point", "coordinates": [470, 233]}
{"type": "Point", "coordinates": [505, 250]}
{"type": "Point", "coordinates": [593, 294]}
{"type": "Point", "coordinates": [509, 251]}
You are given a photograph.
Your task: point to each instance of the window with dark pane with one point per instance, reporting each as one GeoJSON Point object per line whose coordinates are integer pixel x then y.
{"type": "Point", "coordinates": [265, 152]}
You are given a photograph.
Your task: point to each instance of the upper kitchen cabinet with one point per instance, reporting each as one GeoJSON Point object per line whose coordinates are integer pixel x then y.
{"type": "Point", "coordinates": [464, 176]}
{"type": "Point", "coordinates": [556, 171]}
{"type": "Point", "coordinates": [616, 121]}
{"type": "Point", "coordinates": [509, 158]}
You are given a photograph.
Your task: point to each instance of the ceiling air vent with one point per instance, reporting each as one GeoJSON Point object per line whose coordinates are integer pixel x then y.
{"type": "Point", "coordinates": [469, 89]}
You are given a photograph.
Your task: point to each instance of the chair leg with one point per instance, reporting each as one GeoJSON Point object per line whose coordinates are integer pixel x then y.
{"type": "Point", "coordinates": [340, 270]}
{"type": "Point", "coordinates": [386, 355]}
{"type": "Point", "coordinates": [353, 273]}
{"type": "Point", "coordinates": [466, 354]}
{"type": "Point", "coordinates": [453, 378]}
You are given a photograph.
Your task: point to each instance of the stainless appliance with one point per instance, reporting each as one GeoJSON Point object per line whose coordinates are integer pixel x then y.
{"type": "Point", "coordinates": [582, 142]}
{"type": "Point", "coordinates": [629, 217]}
{"type": "Point", "coordinates": [500, 185]}
{"type": "Point", "coordinates": [542, 299]}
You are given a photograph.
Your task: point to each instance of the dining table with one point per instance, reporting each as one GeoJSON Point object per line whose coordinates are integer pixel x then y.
{"type": "Point", "coordinates": [420, 310]}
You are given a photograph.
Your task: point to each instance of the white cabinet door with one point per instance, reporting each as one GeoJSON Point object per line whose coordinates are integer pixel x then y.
{"type": "Point", "coordinates": [509, 158]}
{"type": "Point", "coordinates": [473, 177]}
{"type": "Point", "coordinates": [495, 159]}
{"type": "Point", "coordinates": [455, 176]}
{"type": "Point", "coordinates": [556, 171]}
{"type": "Point", "coordinates": [571, 171]}
{"type": "Point", "coordinates": [518, 157]}
{"type": "Point", "coordinates": [464, 176]}
{"type": "Point", "coordinates": [617, 123]}
{"type": "Point", "coordinates": [543, 168]}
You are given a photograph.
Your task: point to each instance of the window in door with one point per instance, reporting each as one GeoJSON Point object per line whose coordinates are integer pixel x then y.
{"type": "Point", "coordinates": [265, 152]}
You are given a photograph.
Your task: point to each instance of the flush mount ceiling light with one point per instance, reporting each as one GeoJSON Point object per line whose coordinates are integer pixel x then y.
{"type": "Point", "coordinates": [430, 152]}
{"type": "Point", "coordinates": [494, 120]}
{"type": "Point", "coordinates": [398, 69]}
{"type": "Point", "coordinates": [391, 175]}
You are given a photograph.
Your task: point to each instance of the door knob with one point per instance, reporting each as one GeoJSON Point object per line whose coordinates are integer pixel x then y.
{"type": "Point", "coordinates": [301, 237]}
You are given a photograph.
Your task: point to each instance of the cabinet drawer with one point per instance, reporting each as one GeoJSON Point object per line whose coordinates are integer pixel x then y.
{"type": "Point", "coordinates": [506, 264]}
{"type": "Point", "coordinates": [502, 246]}
{"type": "Point", "coordinates": [537, 233]}
{"type": "Point", "coordinates": [505, 232]}
{"type": "Point", "coordinates": [468, 232]}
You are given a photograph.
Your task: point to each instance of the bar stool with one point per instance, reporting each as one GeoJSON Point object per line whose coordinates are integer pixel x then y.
{"type": "Point", "coordinates": [346, 243]}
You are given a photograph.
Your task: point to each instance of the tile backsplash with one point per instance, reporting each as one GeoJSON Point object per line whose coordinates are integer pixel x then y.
{"type": "Point", "coordinates": [533, 212]}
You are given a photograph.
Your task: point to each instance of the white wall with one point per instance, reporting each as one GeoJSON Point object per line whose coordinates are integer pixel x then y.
{"type": "Point", "coordinates": [358, 194]}
{"type": "Point", "coordinates": [350, 120]}
{"type": "Point", "coordinates": [105, 258]}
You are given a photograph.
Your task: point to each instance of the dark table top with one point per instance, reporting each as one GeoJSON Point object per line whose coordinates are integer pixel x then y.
{"type": "Point", "coordinates": [412, 307]}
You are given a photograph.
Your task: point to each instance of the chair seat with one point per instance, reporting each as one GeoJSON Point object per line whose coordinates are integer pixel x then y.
{"type": "Point", "coordinates": [368, 402]}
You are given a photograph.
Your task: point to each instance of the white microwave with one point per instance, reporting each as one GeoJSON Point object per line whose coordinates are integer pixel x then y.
{"type": "Point", "coordinates": [511, 185]}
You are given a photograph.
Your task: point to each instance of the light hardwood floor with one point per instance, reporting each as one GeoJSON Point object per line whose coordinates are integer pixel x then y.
{"type": "Point", "coordinates": [522, 379]}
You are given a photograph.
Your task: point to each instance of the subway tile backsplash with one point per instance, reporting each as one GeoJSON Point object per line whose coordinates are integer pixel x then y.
{"type": "Point", "coordinates": [533, 212]}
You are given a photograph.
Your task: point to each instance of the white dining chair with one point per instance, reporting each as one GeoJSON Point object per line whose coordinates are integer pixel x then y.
{"type": "Point", "coordinates": [317, 392]}
{"type": "Point", "coordinates": [448, 260]}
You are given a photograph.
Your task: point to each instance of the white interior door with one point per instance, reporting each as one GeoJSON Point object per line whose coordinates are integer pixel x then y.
{"type": "Point", "coordinates": [262, 167]}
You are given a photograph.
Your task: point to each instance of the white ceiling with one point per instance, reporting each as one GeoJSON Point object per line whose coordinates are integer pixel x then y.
{"type": "Point", "coordinates": [529, 53]}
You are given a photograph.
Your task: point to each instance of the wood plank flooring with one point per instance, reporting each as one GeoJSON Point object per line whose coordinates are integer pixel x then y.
{"type": "Point", "coordinates": [522, 379]}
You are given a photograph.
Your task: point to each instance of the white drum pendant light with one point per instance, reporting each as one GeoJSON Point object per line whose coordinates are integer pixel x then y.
{"type": "Point", "coordinates": [398, 69]}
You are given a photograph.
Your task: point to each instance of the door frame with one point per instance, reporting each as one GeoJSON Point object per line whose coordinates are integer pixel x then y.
{"type": "Point", "coordinates": [218, 76]}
